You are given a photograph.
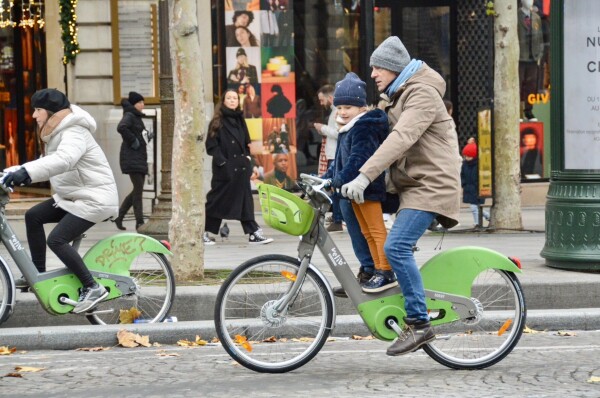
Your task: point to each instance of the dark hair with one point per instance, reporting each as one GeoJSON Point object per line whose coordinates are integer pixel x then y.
{"type": "Point", "coordinates": [250, 14]}
{"type": "Point", "coordinates": [251, 37]}
{"type": "Point", "coordinates": [327, 89]}
{"type": "Point", "coordinates": [216, 122]}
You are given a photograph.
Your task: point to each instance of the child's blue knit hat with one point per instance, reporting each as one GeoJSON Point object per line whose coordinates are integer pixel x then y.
{"type": "Point", "coordinates": [350, 91]}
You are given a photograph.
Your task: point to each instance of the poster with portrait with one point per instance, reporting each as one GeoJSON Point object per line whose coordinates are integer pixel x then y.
{"type": "Point", "coordinates": [532, 150]}
{"type": "Point", "coordinates": [260, 67]}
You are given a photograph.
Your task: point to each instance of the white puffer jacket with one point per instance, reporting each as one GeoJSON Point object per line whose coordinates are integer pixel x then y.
{"type": "Point", "coordinates": [77, 168]}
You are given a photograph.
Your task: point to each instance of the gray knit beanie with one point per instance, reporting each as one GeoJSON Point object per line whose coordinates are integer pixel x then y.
{"type": "Point", "coordinates": [350, 91]}
{"type": "Point", "coordinates": [390, 55]}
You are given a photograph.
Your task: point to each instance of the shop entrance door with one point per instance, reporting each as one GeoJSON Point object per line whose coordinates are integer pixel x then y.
{"type": "Point", "coordinates": [428, 30]}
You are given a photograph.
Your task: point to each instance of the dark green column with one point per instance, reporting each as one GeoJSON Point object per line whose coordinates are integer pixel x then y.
{"type": "Point", "coordinates": [573, 200]}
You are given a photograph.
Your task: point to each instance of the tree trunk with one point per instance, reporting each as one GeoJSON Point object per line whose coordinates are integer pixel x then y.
{"type": "Point", "coordinates": [187, 222]}
{"type": "Point", "coordinates": [506, 212]}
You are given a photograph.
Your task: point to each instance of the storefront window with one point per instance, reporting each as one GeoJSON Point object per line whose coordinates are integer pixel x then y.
{"type": "Point", "coordinates": [22, 72]}
{"type": "Point", "coordinates": [534, 85]}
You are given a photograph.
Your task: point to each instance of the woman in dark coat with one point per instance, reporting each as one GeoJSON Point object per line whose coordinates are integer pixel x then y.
{"type": "Point", "coordinates": [133, 157]}
{"type": "Point", "coordinates": [230, 195]}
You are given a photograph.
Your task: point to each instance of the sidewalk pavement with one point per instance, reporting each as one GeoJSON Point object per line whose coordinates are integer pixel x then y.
{"type": "Point", "coordinates": [556, 299]}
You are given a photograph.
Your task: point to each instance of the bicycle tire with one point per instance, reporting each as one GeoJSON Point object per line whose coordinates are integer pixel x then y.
{"type": "Point", "coordinates": [6, 293]}
{"type": "Point", "coordinates": [153, 297]}
{"type": "Point", "coordinates": [492, 336]}
{"type": "Point", "coordinates": [272, 344]}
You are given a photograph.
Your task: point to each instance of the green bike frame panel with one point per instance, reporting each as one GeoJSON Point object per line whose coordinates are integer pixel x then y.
{"type": "Point", "coordinates": [451, 272]}
{"type": "Point", "coordinates": [112, 255]}
{"type": "Point", "coordinates": [115, 254]}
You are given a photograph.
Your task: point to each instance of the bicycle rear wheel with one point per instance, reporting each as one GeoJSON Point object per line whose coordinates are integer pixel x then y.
{"type": "Point", "coordinates": [494, 331]}
{"type": "Point", "coordinates": [250, 329]}
{"type": "Point", "coordinates": [153, 297]}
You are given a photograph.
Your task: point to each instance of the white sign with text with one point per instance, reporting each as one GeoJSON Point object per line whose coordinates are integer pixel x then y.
{"type": "Point", "coordinates": [582, 84]}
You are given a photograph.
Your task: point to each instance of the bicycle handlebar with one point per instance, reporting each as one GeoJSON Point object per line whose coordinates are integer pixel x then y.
{"type": "Point", "coordinates": [317, 185]}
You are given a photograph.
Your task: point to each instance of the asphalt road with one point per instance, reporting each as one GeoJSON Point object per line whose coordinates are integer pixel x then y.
{"type": "Point", "coordinates": [544, 364]}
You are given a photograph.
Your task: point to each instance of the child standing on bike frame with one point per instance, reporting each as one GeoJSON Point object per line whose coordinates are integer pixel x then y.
{"type": "Point", "coordinates": [360, 135]}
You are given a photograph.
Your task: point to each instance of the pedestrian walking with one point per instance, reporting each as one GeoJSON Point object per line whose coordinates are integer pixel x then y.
{"type": "Point", "coordinates": [330, 133]}
{"type": "Point", "coordinates": [133, 157]}
{"type": "Point", "coordinates": [230, 195]}
{"type": "Point", "coordinates": [421, 152]}
{"type": "Point", "coordinates": [469, 177]}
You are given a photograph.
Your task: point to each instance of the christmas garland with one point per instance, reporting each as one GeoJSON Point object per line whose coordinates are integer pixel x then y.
{"type": "Point", "coordinates": [68, 25]}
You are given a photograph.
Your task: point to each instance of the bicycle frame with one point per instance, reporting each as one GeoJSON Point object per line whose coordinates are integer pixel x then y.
{"type": "Point", "coordinates": [447, 278]}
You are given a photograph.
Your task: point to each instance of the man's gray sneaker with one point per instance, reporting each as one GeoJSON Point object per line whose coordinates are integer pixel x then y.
{"type": "Point", "coordinates": [90, 296]}
{"type": "Point", "coordinates": [416, 334]}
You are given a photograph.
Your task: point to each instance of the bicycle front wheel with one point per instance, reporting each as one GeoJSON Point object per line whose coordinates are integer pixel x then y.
{"type": "Point", "coordinates": [492, 333]}
{"type": "Point", "coordinates": [153, 296]}
{"type": "Point", "coordinates": [258, 336]}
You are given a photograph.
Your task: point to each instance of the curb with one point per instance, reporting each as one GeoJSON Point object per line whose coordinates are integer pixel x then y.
{"type": "Point", "coordinates": [73, 337]}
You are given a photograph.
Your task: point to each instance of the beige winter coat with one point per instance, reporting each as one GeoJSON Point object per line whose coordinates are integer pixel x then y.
{"type": "Point", "coordinates": [422, 148]}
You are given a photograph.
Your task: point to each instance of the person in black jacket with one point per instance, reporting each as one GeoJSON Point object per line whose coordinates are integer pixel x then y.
{"type": "Point", "coordinates": [230, 195]}
{"type": "Point", "coordinates": [133, 157]}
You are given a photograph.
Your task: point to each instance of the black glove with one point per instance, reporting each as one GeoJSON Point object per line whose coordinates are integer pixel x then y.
{"type": "Point", "coordinates": [136, 145]}
{"type": "Point", "coordinates": [18, 178]}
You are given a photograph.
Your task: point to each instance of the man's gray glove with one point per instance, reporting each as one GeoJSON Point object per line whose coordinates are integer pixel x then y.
{"type": "Point", "coordinates": [355, 189]}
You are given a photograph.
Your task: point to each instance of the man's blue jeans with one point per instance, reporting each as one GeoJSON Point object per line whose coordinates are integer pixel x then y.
{"type": "Point", "coordinates": [359, 243]}
{"type": "Point", "coordinates": [409, 226]}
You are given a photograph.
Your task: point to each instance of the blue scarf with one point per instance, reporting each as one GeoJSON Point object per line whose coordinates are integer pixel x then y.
{"type": "Point", "coordinates": [412, 67]}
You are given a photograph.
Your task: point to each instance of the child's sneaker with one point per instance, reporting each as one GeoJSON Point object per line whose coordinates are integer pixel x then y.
{"type": "Point", "coordinates": [381, 280]}
{"type": "Point", "coordinates": [257, 238]}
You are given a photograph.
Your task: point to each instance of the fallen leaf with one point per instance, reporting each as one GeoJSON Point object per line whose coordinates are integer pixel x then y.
{"type": "Point", "coordinates": [594, 379]}
{"type": "Point", "coordinates": [130, 315]}
{"type": "Point", "coordinates": [155, 344]}
{"type": "Point", "coordinates": [28, 369]}
{"type": "Point", "coordinates": [215, 340]}
{"type": "Point", "coordinates": [93, 349]}
{"type": "Point", "coordinates": [143, 340]}
{"type": "Point", "coordinates": [357, 337]}
{"type": "Point", "coordinates": [529, 330]}
{"type": "Point", "coordinates": [271, 339]}
{"type": "Point", "coordinates": [565, 333]}
{"type": "Point", "coordinates": [4, 350]}
{"type": "Point", "coordinates": [130, 340]}
{"type": "Point", "coordinates": [303, 340]}
{"type": "Point", "coordinates": [197, 342]}
{"type": "Point", "coordinates": [13, 375]}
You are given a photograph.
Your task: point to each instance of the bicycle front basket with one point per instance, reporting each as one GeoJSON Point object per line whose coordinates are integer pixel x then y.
{"type": "Point", "coordinates": [285, 211]}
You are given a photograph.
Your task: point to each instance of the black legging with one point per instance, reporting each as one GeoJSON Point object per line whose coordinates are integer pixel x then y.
{"type": "Point", "coordinates": [134, 198]}
{"type": "Point", "coordinates": [68, 228]}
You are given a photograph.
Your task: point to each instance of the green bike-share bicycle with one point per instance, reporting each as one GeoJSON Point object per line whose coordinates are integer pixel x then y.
{"type": "Point", "coordinates": [132, 267]}
{"type": "Point", "coordinates": [274, 313]}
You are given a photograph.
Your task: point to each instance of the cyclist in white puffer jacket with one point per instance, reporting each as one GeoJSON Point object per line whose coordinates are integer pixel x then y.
{"type": "Point", "coordinates": [84, 187]}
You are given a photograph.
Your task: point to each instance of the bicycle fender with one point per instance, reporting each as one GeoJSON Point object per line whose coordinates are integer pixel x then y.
{"type": "Point", "coordinates": [453, 271]}
{"type": "Point", "coordinates": [329, 291]}
{"type": "Point", "coordinates": [11, 304]}
{"type": "Point", "coordinates": [115, 253]}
